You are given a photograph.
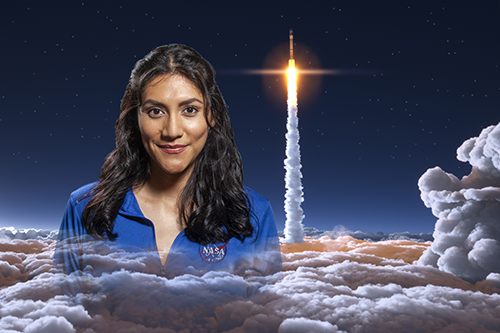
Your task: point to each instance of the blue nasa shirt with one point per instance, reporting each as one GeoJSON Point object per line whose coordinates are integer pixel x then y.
{"type": "Point", "coordinates": [135, 247]}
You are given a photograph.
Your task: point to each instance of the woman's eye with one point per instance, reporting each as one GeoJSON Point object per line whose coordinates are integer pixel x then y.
{"type": "Point", "coordinates": [190, 110]}
{"type": "Point", "coordinates": [155, 112]}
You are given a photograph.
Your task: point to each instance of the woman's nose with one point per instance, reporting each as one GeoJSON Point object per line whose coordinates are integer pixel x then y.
{"type": "Point", "coordinates": [172, 128]}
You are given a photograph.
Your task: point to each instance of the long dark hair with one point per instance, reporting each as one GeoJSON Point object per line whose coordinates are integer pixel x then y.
{"type": "Point", "coordinates": [214, 205]}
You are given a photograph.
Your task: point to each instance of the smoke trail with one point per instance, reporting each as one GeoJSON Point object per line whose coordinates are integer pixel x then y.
{"type": "Point", "coordinates": [294, 232]}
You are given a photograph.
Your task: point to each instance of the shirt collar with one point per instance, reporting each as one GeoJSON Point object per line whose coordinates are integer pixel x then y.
{"type": "Point", "coordinates": [130, 206]}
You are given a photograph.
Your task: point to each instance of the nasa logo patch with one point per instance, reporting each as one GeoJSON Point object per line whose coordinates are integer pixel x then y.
{"type": "Point", "coordinates": [213, 253]}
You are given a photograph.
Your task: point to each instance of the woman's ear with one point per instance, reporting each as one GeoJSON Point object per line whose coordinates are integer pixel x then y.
{"type": "Point", "coordinates": [211, 120]}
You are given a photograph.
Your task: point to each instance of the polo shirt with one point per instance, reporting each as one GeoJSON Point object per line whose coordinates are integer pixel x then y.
{"type": "Point", "coordinates": [135, 248]}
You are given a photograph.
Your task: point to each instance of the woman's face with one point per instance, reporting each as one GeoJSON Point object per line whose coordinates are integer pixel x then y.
{"type": "Point", "coordinates": [172, 122]}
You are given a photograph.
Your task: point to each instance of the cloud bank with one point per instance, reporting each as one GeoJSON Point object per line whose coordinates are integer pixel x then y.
{"type": "Point", "coordinates": [467, 233]}
{"type": "Point", "coordinates": [340, 231]}
{"type": "Point", "coordinates": [327, 285]}
{"type": "Point", "coordinates": [10, 233]}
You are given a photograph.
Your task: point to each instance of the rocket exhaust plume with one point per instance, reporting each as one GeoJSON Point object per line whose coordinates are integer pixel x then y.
{"type": "Point", "coordinates": [294, 232]}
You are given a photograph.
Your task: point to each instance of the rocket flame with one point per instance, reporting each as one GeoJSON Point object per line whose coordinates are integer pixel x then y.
{"type": "Point", "coordinates": [292, 83]}
{"type": "Point", "coordinates": [294, 232]}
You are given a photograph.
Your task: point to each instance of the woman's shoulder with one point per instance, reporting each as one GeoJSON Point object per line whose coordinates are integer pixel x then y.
{"type": "Point", "coordinates": [260, 206]}
{"type": "Point", "coordinates": [255, 198]}
{"type": "Point", "coordinates": [81, 191]}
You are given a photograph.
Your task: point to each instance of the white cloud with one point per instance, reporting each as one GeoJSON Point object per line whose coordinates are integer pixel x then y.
{"type": "Point", "coordinates": [467, 233]}
{"type": "Point", "coordinates": [342, 285]}
{"type": "Point", "coordinates": [10, 233]}
{"type": "Point", "coordinates": [305, 325]}
{"type": "Point", "coordinates": [340, 231]}
{"type": "Point", "coordinates": [50, 324]}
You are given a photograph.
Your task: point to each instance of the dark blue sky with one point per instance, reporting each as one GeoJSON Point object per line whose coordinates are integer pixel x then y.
{"type": "Point", "coordinates": [432, 80]}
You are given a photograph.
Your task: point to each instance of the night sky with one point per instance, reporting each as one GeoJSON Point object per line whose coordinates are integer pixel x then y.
{"type": "Point", "coordinates": [419, 78]}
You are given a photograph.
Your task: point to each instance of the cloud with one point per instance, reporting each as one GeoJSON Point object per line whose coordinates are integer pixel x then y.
{"type": "Point", "coordinates": [10, 233]}
{"type": "Point", "coordinates": [340, 231]}
{"type": "Point", "coordinates": [327, 285]}
{"type": "Point", "coordinates": [467, 233]}
{"type": "Point", "coordinates": [305, 325]}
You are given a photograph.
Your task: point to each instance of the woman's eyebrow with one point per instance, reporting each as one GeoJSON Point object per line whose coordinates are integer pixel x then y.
{"type": "Point", "coordinates": [189, 101]}
{"type": "Point", "coordinates": [153, 102]}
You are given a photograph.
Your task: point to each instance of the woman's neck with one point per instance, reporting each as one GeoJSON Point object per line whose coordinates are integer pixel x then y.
{"type": "Point", "coordinates": [165, 186]}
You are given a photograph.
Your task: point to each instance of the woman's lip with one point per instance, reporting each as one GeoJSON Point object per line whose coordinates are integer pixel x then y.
{"type": "Point", "coordinates": [173, 149]}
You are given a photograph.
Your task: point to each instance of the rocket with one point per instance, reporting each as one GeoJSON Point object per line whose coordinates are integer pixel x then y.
{"type": "Point", "coordinates": [291, 61]}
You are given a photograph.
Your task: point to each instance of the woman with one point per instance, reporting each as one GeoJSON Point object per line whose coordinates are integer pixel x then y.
{"type": "Point", "coordinates": [170, 197]}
